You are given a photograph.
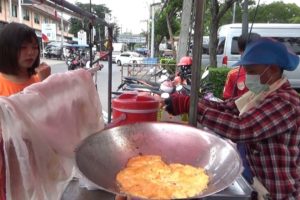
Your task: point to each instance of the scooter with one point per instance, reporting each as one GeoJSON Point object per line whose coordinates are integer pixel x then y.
{"type": "Point", "coordinates": [205, 88]}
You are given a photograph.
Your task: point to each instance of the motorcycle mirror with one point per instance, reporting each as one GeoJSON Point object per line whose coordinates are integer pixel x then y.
{"type": "Point", "coordinates": [163, 78]}
{"type": "Point", "coordinates": [152, 70]}
{"type": "Point", "coordinates": [165, 95]}
{"type": "Point", "coordinates": [179, 88]}
{"type": "Point", "coordinates": [205, 74]}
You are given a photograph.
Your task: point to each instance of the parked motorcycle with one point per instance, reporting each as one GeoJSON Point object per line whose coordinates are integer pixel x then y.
{"type": "Point", "coordinates": [164, 84]}
{"type": "Point", "coordinates": [205, 89]}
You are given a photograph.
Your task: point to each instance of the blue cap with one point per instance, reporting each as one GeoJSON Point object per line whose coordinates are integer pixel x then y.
{"type": "Point", "coordinates": [270, 52]}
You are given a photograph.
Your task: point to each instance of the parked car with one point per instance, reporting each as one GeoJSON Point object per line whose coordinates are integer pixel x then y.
{"type": "Point", "coordinates": [143, 51]}
{"type": "Point", "coordinates": [56, 50]}
{"type": "Point", "coordinates": [228, 53]}
{"type": "Point", "coordinates": [129, 57]}
{"type": "Point", "coordinates": [118, 48]}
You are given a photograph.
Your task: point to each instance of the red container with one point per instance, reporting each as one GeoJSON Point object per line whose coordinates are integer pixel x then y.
{"type": "Point", "coordinates": [130, 108]}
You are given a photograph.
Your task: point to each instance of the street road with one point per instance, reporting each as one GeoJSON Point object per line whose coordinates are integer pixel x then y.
{"type": "Point", "coordinates": [58, 66]}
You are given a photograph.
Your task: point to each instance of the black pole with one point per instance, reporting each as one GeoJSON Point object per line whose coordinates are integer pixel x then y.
{"type": "Point", "coordinates": [197, 55]}
{"type": "Point", "coordinates": [110, 36]}
{"type": "Point", "coordinates": [91, 35]}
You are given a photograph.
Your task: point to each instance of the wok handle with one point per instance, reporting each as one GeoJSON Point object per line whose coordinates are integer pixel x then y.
{"type": "Point", "coordinates": [116, 121]}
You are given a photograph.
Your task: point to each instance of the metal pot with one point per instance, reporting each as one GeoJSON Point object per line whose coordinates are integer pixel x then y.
{"type": "Point", "coordinates": [102, 155]}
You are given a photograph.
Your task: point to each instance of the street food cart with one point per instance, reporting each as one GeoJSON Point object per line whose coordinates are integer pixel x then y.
{"type": "Point", "coordinates": [234, 188]}
{"type": "Point", "coordinates": [186, 145]}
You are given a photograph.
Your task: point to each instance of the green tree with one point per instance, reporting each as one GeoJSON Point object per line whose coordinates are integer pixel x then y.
{"type": "Point", "coordinates": [167, 23]}
{"type": "Point", "coordinates": [217, 11]}
{"type": "Point", "coordinates": [276, 12]}
{"type": "Point", "coordinates": [97, 10]}
{"type": "Point", "coordinates": [172, 13]}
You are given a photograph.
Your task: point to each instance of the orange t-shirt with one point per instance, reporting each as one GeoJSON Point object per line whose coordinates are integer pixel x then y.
{"type": "Point", "coordinates": [235, 83]}
{"type": "Point", "coordinates": [8, 88]}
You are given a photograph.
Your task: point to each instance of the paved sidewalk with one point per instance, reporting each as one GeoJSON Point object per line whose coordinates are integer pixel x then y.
{"type": "Point", "coordinates": [52, 61]}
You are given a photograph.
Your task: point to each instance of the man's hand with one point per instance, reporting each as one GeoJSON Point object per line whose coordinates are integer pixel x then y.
{"type": "Point", "coordinates": [43, 71]}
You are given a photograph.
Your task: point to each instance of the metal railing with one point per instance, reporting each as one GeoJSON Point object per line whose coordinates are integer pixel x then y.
{"type": "Point", "coordinates": [145, 71]}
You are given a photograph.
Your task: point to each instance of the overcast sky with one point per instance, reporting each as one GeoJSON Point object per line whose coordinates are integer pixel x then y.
{"type": "Point", "coordinates": [131, 14]}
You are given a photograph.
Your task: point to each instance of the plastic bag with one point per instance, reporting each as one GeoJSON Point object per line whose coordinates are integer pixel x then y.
{"type": "Point", "coordinates": [41, 128]}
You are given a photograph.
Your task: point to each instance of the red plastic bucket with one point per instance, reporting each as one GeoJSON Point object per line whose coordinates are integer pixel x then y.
{"type": "Point", "coordinates": [130, 108]}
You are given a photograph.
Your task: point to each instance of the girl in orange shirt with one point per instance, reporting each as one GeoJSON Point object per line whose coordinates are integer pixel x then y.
{"type": "Point", "coordinates": [19, 67]}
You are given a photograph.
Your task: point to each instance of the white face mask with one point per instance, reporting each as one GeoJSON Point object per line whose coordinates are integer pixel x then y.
{"type": "Point", "coordinates": [254, 85]}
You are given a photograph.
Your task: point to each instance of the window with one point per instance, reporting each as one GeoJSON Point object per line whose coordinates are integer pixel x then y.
{"type": "Point", "coordinates": [46, 20]}
{"type": "Point", "coordinates": [221, 44]}
{"type": "Point", "coordinates": [14, 9]}
{"type": "Point", "coordinates": [292, 43]}
{"type": "Point", "coordinates": [36, 18]}
{"type": "Point", "coordinates": [205, 49]}
{"type": "Point", "coordinates": [26, 14]}
{"type": "Point", "coordinates": [234, 46]}
{"type": "Point", "coordinates": [125, 55]}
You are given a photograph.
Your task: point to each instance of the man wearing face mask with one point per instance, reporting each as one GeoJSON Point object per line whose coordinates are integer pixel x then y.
{"type": "Point", "coordinates": [266, 119]}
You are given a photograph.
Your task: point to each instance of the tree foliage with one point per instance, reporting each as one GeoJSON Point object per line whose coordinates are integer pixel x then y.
{"type": "Point", "coordinates": [275, 12]}
{"type": "Point", "coordinates": [171, 11]}
{"type": "Point", "coordinates": [78, 24]}
{"type": "Point", "coordinates": [217, 11]}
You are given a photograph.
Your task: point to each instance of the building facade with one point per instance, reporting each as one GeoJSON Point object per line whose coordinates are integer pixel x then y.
{"type": "Point", "coordinates": [34, 15]}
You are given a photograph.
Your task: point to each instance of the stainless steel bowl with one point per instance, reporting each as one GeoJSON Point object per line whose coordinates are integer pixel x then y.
{"type": "Point", "coordinates": [102, 155]}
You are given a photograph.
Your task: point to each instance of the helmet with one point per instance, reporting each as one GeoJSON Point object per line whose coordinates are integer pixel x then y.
{"type": "Point", "coordinates": [186, 60]}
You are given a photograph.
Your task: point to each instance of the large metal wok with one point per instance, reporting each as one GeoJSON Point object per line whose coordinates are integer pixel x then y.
{"type": "Point", "coordinates": [102, 155]}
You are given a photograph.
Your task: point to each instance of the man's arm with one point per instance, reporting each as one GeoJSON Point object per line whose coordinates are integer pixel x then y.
{"type": "Point", "coordinates": [179, 104]}
{"type": "Point", "coordinates": [274, 116]}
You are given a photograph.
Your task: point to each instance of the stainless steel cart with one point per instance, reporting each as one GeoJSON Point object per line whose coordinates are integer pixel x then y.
{"type": "Point", "coordinates": [238, 190]}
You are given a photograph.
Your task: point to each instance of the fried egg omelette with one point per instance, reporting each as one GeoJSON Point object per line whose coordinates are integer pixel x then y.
{"type": "Point", "coordinates": [149, 177]}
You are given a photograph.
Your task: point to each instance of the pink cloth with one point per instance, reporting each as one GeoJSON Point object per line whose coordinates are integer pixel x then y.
{"type": "Point", "coordinates": [41, 128]}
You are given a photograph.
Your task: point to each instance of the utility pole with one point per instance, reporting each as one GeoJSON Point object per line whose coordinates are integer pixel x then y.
{"type": "Point", "coordinates": [10, 10]}
{"type": "Point", "coordinates": [152, 26]}
{"type": "Point", "coordinates": [245, 18]}
{"type": "Point", "coordinates": [183, 45]}
{"type": "Point", "coordinates": [91, 35]}
{"type": "Point", "coordinates": [62, 32]}
{"type": "Point", "coordinates": [20, 11]}
{"type": "Point", "coordinates": [152, 31]}
{"type": "Point", "coordinates": [234, 10]}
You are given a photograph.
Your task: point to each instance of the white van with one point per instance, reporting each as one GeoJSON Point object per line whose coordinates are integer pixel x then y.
{"type": "Point", "coordinates": [227, 50]}
{"type": "Point", "coordinates": [118, 48]}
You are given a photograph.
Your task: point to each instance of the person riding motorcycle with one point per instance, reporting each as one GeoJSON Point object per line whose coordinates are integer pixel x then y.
{"type": "Point", "coordinates": [184, 72]}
